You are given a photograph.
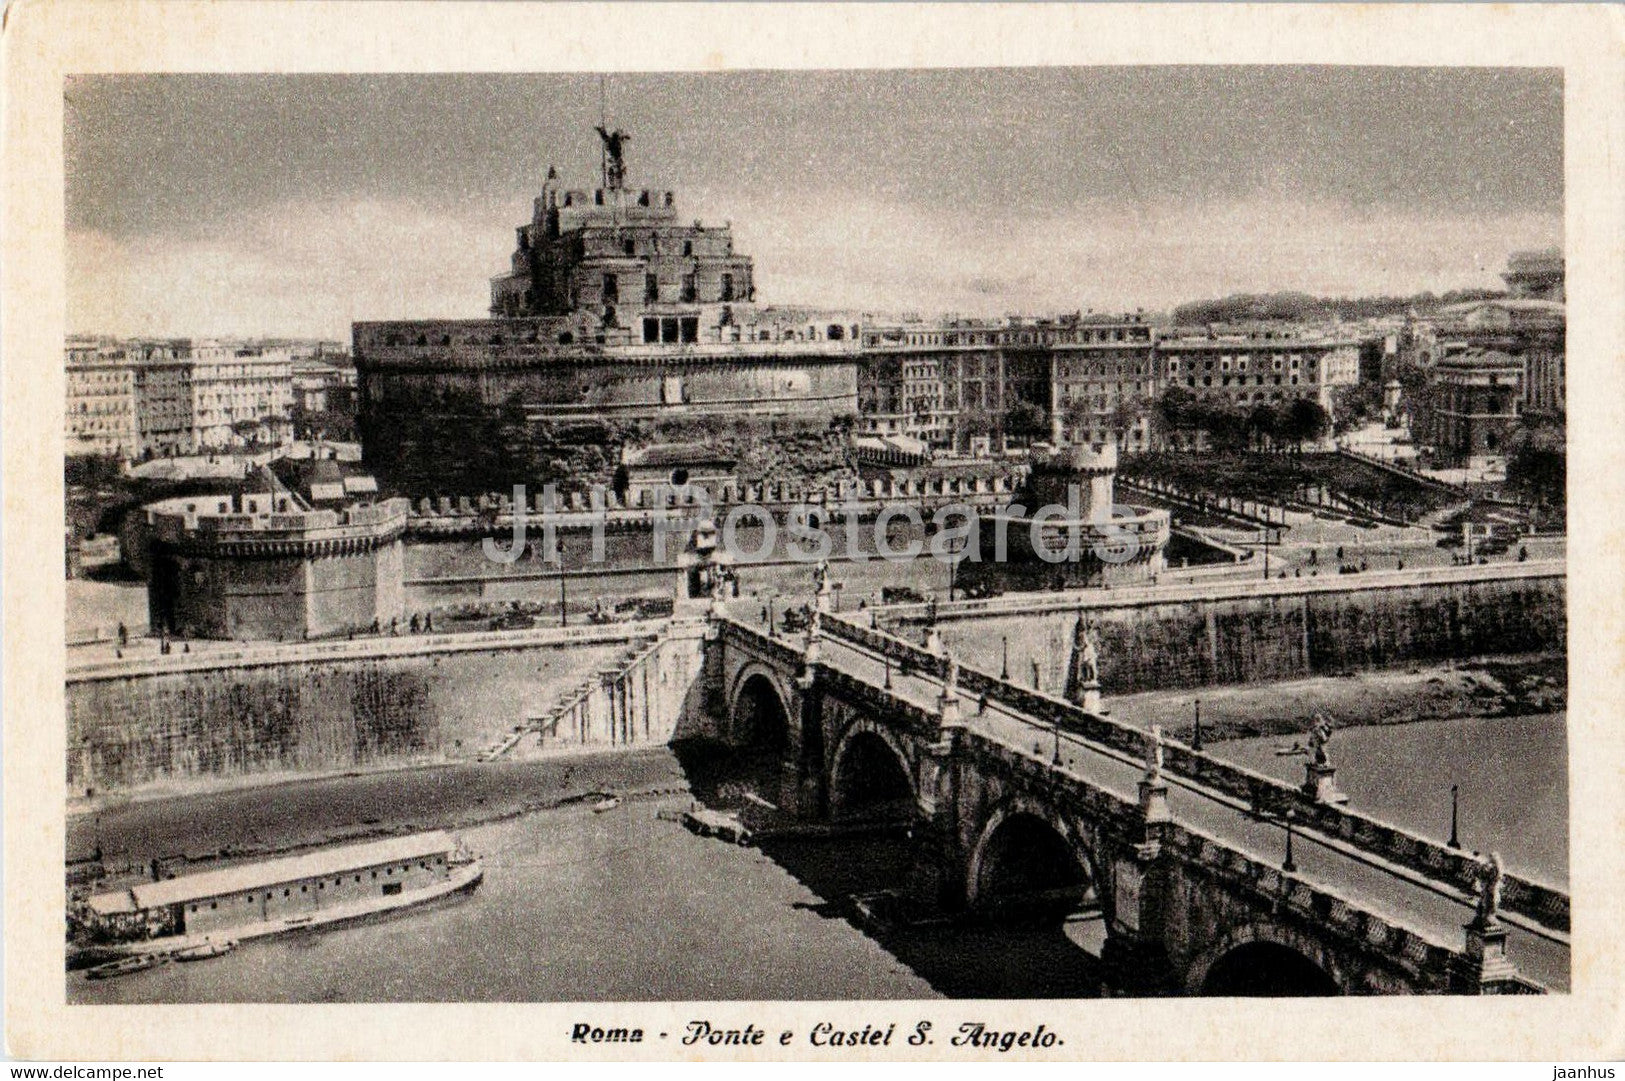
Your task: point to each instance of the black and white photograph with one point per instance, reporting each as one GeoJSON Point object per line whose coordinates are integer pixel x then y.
{"type": "Point", "coordinates": [874, 534]}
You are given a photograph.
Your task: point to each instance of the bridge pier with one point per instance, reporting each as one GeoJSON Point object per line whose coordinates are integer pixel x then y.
{"type": "Point", "coordinates": [804, 791]}
{"type": "Point", "coordinates": [937, 878]}
{"type": "Point", "coordinates": [1483, 968]}
{"type": "Point", "coordinates": [1135, 954]}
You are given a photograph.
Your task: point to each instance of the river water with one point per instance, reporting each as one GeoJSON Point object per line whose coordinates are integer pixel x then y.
{"type": "Point", "coordinates": [1512, 775]}
{"type": "Point", "coordinates": [623, 905]}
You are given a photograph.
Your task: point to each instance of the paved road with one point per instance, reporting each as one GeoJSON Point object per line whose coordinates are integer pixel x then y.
{"type": "Point", "coordinates": [1358, 880]}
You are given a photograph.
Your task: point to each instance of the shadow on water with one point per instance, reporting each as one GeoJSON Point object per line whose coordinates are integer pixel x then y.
{"type": "Point", "coordinates": [960, 959]}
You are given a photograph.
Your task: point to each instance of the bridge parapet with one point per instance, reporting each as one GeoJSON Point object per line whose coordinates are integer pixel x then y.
{"type": "Point", "coordinates": [1385, 954]}
{"type": "Point", "coordinates": [1264, 795]}
{"type": "Point", "coordinates": [769, 646]}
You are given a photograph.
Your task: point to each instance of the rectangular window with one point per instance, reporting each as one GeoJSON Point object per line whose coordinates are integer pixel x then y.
{"type": "Point", "coordinates": [668, 329]}
{"type": "Point", "coordinates": [727, 287]}
{"type": "Point", "coordinates": [691, 328]}
{"type": "Point", "coordinates": [688, 289]}
{"type": "Point", "coordinates": [651, 331]}
{"type": "Point", "coordinates": [651, 288]}
{"type": "Point", "coordinates": [612, 293]}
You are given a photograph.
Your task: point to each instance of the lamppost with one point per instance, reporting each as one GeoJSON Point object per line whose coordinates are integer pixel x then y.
{"type": "Point", "coordinates": [1004, 668]}
{"type": "Point", "coordinates": [564, 599]}
{"type": "Point", "coordinates": [888, 671]}
{"type": "Point", "coordinates": [953, 566]}
{"type": "Point", "coordinates": [1288, 865]}
{"type": "Point", "coordinates": [1455, 841]}
{"type": "Point", "coordinates": [1196, 729]}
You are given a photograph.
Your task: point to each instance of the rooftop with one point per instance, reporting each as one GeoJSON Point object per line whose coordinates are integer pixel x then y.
{"type": "Point", "coordinates": [249, 876]}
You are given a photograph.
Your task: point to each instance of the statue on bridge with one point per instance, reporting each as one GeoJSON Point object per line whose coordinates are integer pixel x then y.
{"type": "Point", "coordinates": [1088, 662]}
{"type": "Point", "coordinates": [1319, 773]}
{"type": "Point", "coordinates": [1083, 676]}
{"type": "Point", "coordinates": [1153, 754]}
{"type": "Point", "coordinates": [1490, 874]}
{"type": "Point", "coordinates": [1320, 734]}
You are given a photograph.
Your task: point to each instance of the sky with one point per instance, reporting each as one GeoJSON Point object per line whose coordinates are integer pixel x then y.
{"type": "Point", "coordinates": [294, 205]}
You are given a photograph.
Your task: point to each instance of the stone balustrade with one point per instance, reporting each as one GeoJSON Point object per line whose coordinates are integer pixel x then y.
{"type": "Point", "coordinates": [1545, 905]}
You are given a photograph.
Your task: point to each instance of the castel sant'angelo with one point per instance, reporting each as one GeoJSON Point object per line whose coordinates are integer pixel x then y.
{"type": "Point", "coordinates": [613, 310]}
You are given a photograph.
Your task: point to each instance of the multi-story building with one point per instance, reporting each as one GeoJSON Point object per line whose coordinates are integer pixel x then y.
{"type": "Point", "coordinates": [101, 413]}
{"type": "Point", "coordinates": [1273, 367]}
{"type": "Point", "coordinates": [1531, 330]}
{"type": "Point", "coordinates": [240, 394]}
{"type": "Point", "coordinates": [1105, 383]}
{"type": "Point", "coordinates": [175, 396]}
{"type": "Point", "coordinates": [1473, 409]}
{"type": "Point", "coordinates": [1084, 379]}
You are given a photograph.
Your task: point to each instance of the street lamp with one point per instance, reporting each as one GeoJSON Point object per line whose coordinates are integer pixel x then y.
{"type": "Point", "coordinates": [1288, 865]}
{"type": "Point", "coordinates": [1196, 729]}
{"type": "Point", "coordinates": [1004, 668]}
{"type": "Point", "coordinates": [1455, 841]}
{"type": "Point", "coordinates": [564, 599]}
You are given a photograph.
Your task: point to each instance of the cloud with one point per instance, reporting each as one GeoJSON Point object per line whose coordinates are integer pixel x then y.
{"type": "Point", "coordinates": [291, 269]}
{"type": "Point", "coordinates": [888, 255]}
{"type": "Point", "coordinates": [313, 268]}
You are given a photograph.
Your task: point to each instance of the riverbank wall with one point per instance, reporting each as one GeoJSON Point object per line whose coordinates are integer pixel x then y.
{"type": "Point", "coordinates": [1288, 630]}
{"type": "Point", "coordinates": [288, 711]}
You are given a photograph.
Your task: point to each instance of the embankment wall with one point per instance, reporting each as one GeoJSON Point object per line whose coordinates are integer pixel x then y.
{"type": "Point", "coordinates": [1150, 646]}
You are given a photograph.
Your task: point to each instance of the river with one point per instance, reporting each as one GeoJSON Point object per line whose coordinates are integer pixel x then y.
{"type": "Point", "coordinates": [1512, 774]}
{"type": "Point", "coordinates": [623, 905]}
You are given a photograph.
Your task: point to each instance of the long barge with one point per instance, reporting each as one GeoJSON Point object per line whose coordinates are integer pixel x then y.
{"type": "Point", "coordinates": [271, 897]}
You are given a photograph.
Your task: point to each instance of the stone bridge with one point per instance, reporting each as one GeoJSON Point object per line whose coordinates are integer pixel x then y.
{"type": "Point", "coordinates": [1209, 878]}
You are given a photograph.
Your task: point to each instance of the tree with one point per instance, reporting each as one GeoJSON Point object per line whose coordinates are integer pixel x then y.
{"type": "Point", "coordinates": [1024, 418]}
{"type": "Point", "coordinates": [1264, 423]}
{"type": "Point", "coordinates": [1128, 412]}
{"type": "Point", "coordinates": [1537, 464]}
{"type": "Point", "coordinates": [1077, 415]}
{"type": "Point", "coordinates": [1306, 421]}
{"type": "Point", "coordinates": [1173, 410]}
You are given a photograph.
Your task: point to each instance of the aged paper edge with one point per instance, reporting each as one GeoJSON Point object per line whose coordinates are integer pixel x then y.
{"type": "Point", "coordinates": [45, 41]}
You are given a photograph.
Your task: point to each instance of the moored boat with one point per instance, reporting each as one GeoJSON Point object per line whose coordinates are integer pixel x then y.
{"type": "Point", "coordinates": [205, 950]}
{"type": "Point", "coordinates": [207, 914]}
{"type": "Point", "coordinates": [126, 966]}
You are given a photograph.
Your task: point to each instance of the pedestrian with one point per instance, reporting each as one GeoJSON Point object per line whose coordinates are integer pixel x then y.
{"type": "Point", "coordinates": [123, 635]}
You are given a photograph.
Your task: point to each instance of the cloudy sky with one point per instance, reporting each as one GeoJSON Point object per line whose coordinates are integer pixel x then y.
{"type": "Point", "coordinates": [293, 205]}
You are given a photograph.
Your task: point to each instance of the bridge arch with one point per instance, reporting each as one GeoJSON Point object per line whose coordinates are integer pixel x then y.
{"type": "Point", "coordinates": [1028, 861]}
{"type": "Point", "coordinates": [759, 710]}
{"type": "Point", "coordinates": [871, 775]}
{"type": "Point", "coordinates": [1262, 960]}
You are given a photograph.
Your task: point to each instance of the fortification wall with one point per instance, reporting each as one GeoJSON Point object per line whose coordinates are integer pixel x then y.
{"type": "Point", "coordinates": [1151, 646]}
{"type": "Point", "coordinates": [125, 731]}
